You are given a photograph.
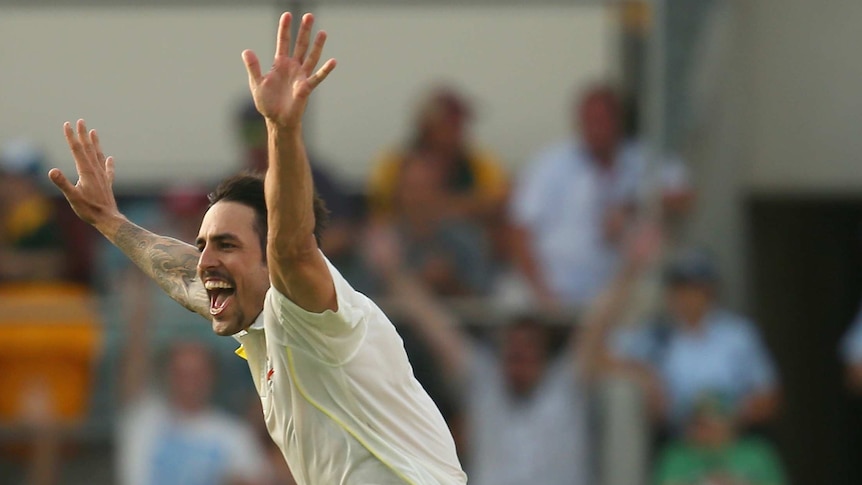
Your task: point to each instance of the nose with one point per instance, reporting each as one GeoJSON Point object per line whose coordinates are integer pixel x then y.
{"type": "Point", "coordinates": [207, 260]}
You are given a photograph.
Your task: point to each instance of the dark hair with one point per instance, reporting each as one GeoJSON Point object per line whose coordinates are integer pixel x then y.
{"type": "Point", "coordinates": [604, 92]}
{"type": "Point", "coordinates": [530, 323]}
{"type": "Point", "coordinates": [167, 354]}
{"type": "Point", "coordinates": [247, 188]}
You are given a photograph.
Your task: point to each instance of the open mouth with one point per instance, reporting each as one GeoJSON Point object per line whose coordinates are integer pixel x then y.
{"type": "Point", "coordinates": [221, 295]}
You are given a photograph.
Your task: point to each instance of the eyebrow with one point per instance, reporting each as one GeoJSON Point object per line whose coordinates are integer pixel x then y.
{"type": "Point", "coordinates": [227, 236]}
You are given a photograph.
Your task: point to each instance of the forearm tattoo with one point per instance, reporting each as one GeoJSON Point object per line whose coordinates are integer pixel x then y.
{"type": "Point", "coordinates": [171, 263]}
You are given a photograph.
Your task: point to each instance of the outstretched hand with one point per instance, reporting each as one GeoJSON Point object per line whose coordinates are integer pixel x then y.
{"type": "Point", "coordinates": [92, 197]}
{"type": "Point", "coordinates": [282, 94]}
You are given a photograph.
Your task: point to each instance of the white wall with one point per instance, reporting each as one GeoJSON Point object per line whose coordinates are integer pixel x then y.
{"type": "Point", "coordinates": [161, 84]}
{"type": "Point", "coordinates": [806, 95]}
{"type": "Point", "coordinates": [783, 116]}
{"type": "Point", "coordinates": [520, 65]}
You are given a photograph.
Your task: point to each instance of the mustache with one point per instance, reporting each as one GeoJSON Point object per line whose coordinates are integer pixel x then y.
{"type": "Point", "coordinates": [216, 274]}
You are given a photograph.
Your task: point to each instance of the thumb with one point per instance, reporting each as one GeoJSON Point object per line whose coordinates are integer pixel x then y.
{"type": "Point", "coordinates": [61, 181]}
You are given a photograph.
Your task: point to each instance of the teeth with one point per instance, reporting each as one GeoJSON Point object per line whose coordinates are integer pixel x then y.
{"type": "Point", "coordinates": [213, 284]}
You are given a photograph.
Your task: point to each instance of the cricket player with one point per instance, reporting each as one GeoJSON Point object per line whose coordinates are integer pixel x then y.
{"type": "Point", "coordinates": [338, 392]}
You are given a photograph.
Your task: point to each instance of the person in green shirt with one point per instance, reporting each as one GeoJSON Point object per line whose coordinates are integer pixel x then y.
{"type": "Point", "coordinates": [712, 453]}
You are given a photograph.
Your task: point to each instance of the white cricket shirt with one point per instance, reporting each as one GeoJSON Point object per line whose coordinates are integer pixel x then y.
{"type": "Point", "coordinates": [339, 396]}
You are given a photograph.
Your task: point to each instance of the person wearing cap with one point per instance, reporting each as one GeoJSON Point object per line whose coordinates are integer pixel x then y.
{"type": "Point", "coordinates": [30, 243]}
{"type": "Point", "coordinates": [475, 184]}
{"type": "Point", "coordinates": [575, 199]}
{"type": "Point", "coordinates": [697, 345]}
{"type": "Point", "coordinates": [713, 453]}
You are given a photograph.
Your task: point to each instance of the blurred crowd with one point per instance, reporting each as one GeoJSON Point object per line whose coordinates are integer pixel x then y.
{"type": "Point", "coordinates": [517, 295]}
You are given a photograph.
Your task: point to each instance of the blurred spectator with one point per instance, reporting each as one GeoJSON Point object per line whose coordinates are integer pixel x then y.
{"type": "Point", "coordinates": [712, 453]}
{"type": "Point", "coordinates": [178, 437]}
{"type": "Point", "coordinates": [851, 353]}
{"type": "Point", "coordinates": [576, 199]}
{"type": "Point", "coordinates": [449, 255]}
{"type": "Point", "coordinates": [31, 246]}
{"type": "Point", "coordinates": [336, 240]}
{"type": "Point", "coordinates": [474, 185]}
{"type": "Point", "coordinates": [183, 207]}
{"type": "Point", "coordinates": [851, 420]}
{"type": "Point", "coordinates": [176, 212]}
{"type": "Point", "coordinates": [526, 406]}
{"type": "Point", "coordinates": [698, 346]}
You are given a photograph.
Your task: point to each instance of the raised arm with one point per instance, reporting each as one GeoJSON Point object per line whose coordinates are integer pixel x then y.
{"type": "Point", "coordinates": [592, 353]}
{"type": "Point", "coordinates": [610, 306]}
{"type": "Point", "coordinates": [297, 268]}
{"type": "Point", "coordinates": [136, 364]}
{"type": "Point", "coordinates": [169, 262]}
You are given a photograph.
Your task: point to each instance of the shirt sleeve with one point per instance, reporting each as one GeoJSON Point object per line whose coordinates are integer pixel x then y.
{"type": "Point", "coordinates": [632, 171]}
{"type": "Point", "coordinates": [331, 336]}
{"type": "Point", "coordinates": [756, 362]}
{"type": "Point", "coordinates": [631, 344]}
{"type": "Point", "coordinates": [529, 198]}
{"type": "Point", "coordinates": [674, 176]}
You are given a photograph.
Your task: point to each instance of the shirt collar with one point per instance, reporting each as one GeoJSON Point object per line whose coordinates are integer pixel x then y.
{"type": "Point", "coordinates": [258, 323]}
{"type": "Point", "coordinates": [705, 325]}
{"type": "Point", "coordinates": [256, 326]}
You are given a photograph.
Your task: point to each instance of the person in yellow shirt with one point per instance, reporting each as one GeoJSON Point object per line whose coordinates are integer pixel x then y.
{"type": "Point", "coordinates": [476, 186]}
{"type": "Point", "coordinates": [30, 238]}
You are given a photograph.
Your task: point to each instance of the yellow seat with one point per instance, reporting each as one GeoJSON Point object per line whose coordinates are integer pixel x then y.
{"type": "Point", "coordinates": [50, 336]}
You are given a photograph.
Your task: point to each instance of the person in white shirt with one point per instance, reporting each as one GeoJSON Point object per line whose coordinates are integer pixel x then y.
{"type": "Point", "coordinates": [526, 407]}
{"type": "Point", "coordinates": [574, 201]}
{"type": "Point", "coordinates": [338, 392]}
{"type": "Point", "coordinates": [695, 345]}
{"type": "Point", "coordinates": [180, 438]}
{"type": "Point", "coordinates": [172, 434]}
